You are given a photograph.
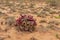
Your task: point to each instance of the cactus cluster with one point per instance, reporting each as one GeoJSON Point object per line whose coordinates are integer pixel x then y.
{"type": "Point", "coordinates": [26, 23]}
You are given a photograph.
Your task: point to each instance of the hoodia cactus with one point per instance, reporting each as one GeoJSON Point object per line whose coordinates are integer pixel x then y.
{"type": "Point", "coordinates": [26, 23]}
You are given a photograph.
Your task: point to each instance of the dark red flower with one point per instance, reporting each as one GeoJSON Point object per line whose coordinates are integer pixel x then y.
{"type": "Point", "coordinates": [26, 21]}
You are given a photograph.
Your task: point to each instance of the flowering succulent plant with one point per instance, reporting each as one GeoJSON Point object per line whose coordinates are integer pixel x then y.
{"type": "Point", "coordinates": [26, 23]}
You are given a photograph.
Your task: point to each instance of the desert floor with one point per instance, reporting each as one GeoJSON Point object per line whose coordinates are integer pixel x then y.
{"type": "Point", "coordinates": [47, 18]}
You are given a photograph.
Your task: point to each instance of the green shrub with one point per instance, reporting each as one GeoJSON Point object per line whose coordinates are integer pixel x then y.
{"type": "Point", "coordinates": [57, 16]}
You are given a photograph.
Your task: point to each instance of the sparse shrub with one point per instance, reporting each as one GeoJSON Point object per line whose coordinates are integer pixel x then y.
{"type": "Point", "coordinates": [42, 29]}
{"type": "Point", "coordinates": [43, 14]}
{"type": "Point", "coordinates": [2, 14]}
{"type": "Point", "coordinates": [58, 36]}
{"type": "Point", "coordinates": [53, 27]}
{"type": "Point", "coordinates": [53, 12]}
{"type": "Point", "coordinates": [26, 23]}
{"type": "Point", "coordinates": [33, 38]}
{"type": "Point", "coordinates": [53, 3]}
{"type": "Point", "coordinates": [2, 38]}
{"type": "Point", "coordinates": [9, 21]}
{"type": "Point", "coordinates": [32, 5]}
{"type": "Point", "coordinates": [54, 22]}
{"type": "Point", "coordinates": [43, 21]}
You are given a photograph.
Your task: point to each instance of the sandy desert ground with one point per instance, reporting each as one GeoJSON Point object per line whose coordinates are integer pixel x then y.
{"type": "Point", "coordinates": [46, 16]}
